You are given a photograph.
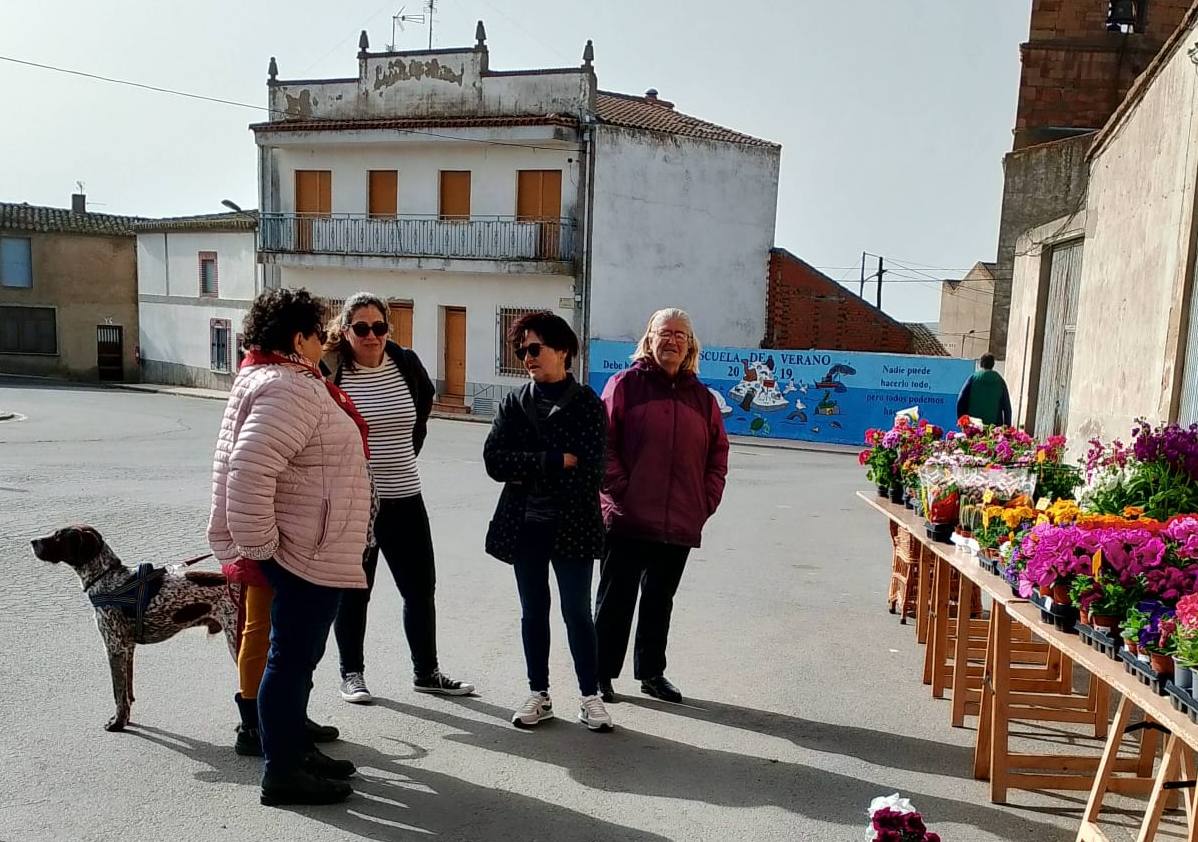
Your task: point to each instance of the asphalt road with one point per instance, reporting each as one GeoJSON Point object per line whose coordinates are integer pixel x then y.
{"type": "Point", "coordinates": [803, 697]}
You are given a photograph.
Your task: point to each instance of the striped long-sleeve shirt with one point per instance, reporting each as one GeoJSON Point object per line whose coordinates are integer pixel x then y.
{"type": "Point", "coordinates": [382, 396]}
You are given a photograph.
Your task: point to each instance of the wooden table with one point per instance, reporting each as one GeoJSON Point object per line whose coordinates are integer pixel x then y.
{"type": "Point", "coordinates": [1015, 637]}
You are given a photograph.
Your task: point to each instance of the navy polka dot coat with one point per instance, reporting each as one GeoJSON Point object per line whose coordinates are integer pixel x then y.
{"type": "Point", "coordinates": [523, 455]}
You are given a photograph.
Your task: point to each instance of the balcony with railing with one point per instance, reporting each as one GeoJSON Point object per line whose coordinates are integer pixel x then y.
{"type": "Point", "coordinates": [491, 238]}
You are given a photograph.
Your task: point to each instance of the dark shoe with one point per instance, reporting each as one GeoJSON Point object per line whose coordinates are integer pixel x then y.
{"type": "Point", "coordinates": [249, 741]}
{"type": "Point", "coordinates": [320, 764]}
{"type": "Point", "coordinates": [321, 733]}
{"type": "Point", "coordinates": [301, 787]}
{"type": "Point", "coordinates": [661, 688]}
{"type": "Point", "coordinates": [606, 691]}
{"type": "Point", "coordinates": [442, 685]}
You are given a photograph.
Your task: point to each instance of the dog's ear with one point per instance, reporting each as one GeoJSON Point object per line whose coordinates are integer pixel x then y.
{"type": "Point", "coordinates": [88, 543]}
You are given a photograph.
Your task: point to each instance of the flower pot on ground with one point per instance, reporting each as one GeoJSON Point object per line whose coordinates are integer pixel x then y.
{"type": "Point", "coordinates": [1162, 664]}
{"type": "Point", "coordinates": [1183, 677]}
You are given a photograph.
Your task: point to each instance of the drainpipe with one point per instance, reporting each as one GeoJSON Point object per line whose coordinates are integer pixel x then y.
{"type": "Point", "coordinates": [583, 294]}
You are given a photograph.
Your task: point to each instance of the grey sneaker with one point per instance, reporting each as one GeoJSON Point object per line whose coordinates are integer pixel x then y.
{"type": "Point", "coordinates": [354, 690]}
{"type": "Point", "coordinates": [530, 714]}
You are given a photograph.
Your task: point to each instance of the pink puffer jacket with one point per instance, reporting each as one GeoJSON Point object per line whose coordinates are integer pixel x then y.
{"type": "Point", "coordinates": [289, 479]}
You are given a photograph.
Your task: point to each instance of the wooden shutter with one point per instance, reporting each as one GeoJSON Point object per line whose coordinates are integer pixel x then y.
{"type": "Point", "coordinates": [1060, 327]}
{"type": "Point", "coordinates": [400, 319]}
{"type": "Point", "coordinates": [455, 195]}
{"type": "Point", "coordinates": [538, 195]}
{"type": "Point", "coordinates": [384, 193]}
{"type": "Point", "coordinates": [314, 192]}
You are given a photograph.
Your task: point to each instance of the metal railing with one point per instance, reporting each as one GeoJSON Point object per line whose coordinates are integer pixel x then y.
{"type": "Point", "coordinates": [479, 238]}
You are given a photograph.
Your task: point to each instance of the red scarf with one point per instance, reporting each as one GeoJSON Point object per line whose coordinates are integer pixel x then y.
{"type": "Point", "coordinates": [257, 356]}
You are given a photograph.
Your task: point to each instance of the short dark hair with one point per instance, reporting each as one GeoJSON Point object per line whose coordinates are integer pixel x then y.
{"type": "Point", "coordinates": [277, 315]}
{"type": "Point", "coordinates": [553, 330]}
{"type": "Point", "coordinates": [987, 361]}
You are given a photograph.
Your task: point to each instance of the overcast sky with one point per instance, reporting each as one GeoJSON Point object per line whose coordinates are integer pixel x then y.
{"type": "Point", "coordinates": [893, 115]}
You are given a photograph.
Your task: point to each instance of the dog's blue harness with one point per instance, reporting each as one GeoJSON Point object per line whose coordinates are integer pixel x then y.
{"type": "Point", "coordinates": [133, 596]}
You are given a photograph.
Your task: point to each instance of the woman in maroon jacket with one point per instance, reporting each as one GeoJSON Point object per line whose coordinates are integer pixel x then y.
{"type": "Point", "coordinates": [667, 457]}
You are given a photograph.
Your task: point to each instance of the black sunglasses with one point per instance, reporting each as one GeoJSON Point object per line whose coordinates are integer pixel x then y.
{"type": "Point", "coordinates": [378, 328]}
{"type": "Point", "coordinates": [532, 349]}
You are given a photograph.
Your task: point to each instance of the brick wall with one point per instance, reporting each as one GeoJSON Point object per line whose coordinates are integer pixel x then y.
{"type": "Point", "coordinates": [1075, 73]}
{"type": "Point", "coordinates": [807, 309]}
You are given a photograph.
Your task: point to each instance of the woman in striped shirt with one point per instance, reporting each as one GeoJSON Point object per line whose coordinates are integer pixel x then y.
{"type": "Point", "coordinates": [393, 392]}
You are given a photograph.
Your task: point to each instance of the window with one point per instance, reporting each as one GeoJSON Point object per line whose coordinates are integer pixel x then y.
{"type": "Point", "coordinates": [505, 357]}
{"type": "Point", "coordinates": [28, 330]}
{"type": "Point", "coordinates": [538, 195]}
{"type": "Point", "coordinates": [384, 193]}
{"type": "Point", "coordinates": [16, 267]}
{"type": "Point", "coordinates": [455, 195]}
{"type": "Point", "coordinates": [208, 283]}
{"type": "Point", "coordinates": [220, 332]}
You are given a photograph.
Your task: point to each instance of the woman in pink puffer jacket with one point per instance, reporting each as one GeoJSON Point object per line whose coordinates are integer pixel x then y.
{"type": "Point", "coordinates": [291, 504]}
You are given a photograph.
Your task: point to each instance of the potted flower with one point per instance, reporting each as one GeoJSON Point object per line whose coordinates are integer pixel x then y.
{"type": "Point", "coordinates": [1113, 603]}
{"type": "Point", "coordinates": [879, 461]}
{"type": "Point", "coordinates": [894, 819]}
{"type": "Point", "coordinates": [1185, 642]}
{"type": "Point", "coordinates": [1156, 639]}
{"type": "Point", "coordinates": [1133, 624]}
{"type": "Point", "coordinates": [1080, 592]}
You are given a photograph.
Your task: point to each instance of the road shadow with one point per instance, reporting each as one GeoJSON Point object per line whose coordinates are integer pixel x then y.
{"type": "Point", "coordinates": [896, 751]}
{"type": "Point", "coordinates": [392, 799]}
{"type": "Point", "coordinates": [627, 761]}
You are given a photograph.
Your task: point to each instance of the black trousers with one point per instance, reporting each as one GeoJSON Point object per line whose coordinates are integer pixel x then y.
{"type": "Point", "coordinates": [406, 541]}
{"type": "Point", "coordinates": [655, 569]}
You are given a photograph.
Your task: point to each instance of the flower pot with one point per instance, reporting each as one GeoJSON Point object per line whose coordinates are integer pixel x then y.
{"type": "Point", "coordinates": [1106, 622]}
{"type": "Point", "coordinates": [1084, 616]}
{"type": "Point", "coordinates": [909, 502]}
{"type": "Point", "coordinates": [1046, 590]}
{"type": "Point", "coordinates": [883, 490]}
{"type": "Point", "coordinates": [1162, 665]}
{"type": "Point", "coordinates": [1183, 676]}
{"type": "Point", "coordinates": [896, 494]}
{"type": "Point", "coordinates": [1132, 646]}
{"type": "Point", "coordinates": [1060, 594]}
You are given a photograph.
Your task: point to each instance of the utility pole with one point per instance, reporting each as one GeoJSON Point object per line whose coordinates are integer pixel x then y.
{"type": "Point", "coordinates": [432, 10]}
{"type": "Point", "coordinates": [881, 272]}
{"type": "Point", "coordinates": [861, 289]}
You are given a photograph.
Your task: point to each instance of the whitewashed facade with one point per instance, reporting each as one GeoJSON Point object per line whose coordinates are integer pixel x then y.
{"type": "Point", "coordinates": [467, 195]}
{"type": "Point", "coordinates": [196, 278]}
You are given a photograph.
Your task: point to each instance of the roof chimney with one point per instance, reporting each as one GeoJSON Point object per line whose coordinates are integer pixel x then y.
{"type": "Point", "coordinates": [78, 203]}
{"type": "Point", "coordinates": [651, 95]}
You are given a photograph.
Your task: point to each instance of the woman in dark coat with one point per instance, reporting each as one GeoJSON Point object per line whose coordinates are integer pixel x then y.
{"type": "Point", "coordinates": [547, 447]}
{"type": "Point", "coordinates": [667, 460]}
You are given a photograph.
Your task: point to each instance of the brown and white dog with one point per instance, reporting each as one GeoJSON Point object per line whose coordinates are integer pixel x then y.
{"type": "Point", "coordinates": [197, 598]}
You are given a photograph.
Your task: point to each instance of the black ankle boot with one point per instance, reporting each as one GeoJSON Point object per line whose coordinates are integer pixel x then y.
{"type": "Point", "coordinates": [321, 733]}
{"type": "Point", "coordinates": [321, 765]}
{"type": "Point", "coordinates": [301, 787]}
{"type": "Point", "coordinates": [249, 743]}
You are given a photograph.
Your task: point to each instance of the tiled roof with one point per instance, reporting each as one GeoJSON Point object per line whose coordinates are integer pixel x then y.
{"type": "Point", "coordinates": [232, 221]}
{"type": "Point", "coordinates": [924, 341]}
{"type": "Point", "coordinates": [25, 217]}
{"type": "Point", "coordinates": [637, 112]}
{"type": "Point", "coordinates": [416, 123]}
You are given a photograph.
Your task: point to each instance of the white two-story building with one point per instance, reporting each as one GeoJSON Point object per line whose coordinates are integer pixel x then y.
{"type": "Point", "coordinates": [467, 196]}
{"type": "Point", "coordinates": [196, 278]}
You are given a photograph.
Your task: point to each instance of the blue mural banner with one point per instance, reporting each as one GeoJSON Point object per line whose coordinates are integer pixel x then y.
{"type": "Point", "coordinates": [821, 396]}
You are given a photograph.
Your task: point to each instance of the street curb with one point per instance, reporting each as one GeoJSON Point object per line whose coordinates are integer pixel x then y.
{"type": "Point", "coordinates": [791, 444]}
{"type": "Point", "coordinates": [178, 392]}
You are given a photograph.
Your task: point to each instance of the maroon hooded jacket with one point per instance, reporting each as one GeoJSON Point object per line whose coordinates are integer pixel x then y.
{"type": "Point", "coordinates": [667, 456]}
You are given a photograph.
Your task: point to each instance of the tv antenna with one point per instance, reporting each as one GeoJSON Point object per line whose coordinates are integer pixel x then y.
{"type": "Point", "coordinates": [398, 20]}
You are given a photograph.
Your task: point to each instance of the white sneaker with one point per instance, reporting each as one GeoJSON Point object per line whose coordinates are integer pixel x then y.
{"type": "Point", "coordinates": [530, 714]}
{"type": "Point", "coordinates": [354, 690]}
{"type": "Point", "coordinates": [594, 715]}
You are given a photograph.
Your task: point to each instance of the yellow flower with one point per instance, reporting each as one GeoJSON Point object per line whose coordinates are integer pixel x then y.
{"type": "Point", "coordinates": [1041, 456]}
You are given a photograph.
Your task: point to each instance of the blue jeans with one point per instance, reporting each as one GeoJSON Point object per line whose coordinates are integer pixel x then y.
{"type": "Point", "coordinates": [574, 589]}
{"type": "Point", "coordinates": [300, 618]}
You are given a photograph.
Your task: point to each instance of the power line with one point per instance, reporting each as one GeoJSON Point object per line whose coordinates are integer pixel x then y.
{"type": "Point", "coordinates": [220, 101]}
